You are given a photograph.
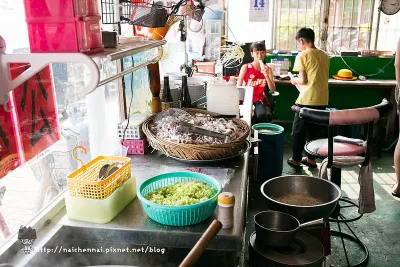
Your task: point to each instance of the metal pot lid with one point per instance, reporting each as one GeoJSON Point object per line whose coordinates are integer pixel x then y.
{"type": "Point", "coordinates": [306, 250]}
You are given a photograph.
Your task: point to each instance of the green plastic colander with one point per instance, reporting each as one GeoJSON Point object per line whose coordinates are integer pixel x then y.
{"type": "Point", "coordinates": [178, 215]}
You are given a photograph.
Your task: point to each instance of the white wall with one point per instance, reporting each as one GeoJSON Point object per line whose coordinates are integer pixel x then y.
{"type": "Point", "coordinates": [16, 35]}
{"type": "Point", "coordinates": [244, 30]}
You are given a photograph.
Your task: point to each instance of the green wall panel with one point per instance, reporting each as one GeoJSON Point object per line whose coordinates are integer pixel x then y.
{"type": "Point", "coordinates": [340, 97]}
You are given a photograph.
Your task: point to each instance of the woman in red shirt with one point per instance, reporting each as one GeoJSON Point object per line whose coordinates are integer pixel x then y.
{"type": "Point", "coordinates": [259, 77]}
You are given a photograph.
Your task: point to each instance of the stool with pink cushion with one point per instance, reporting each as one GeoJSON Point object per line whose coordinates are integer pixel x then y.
{"type": "Point", "coordinates": [339, 147]}
{"type": "Point", "coordinates": [328, 148]}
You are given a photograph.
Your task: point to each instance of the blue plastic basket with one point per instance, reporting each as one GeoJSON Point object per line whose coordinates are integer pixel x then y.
{"type": "Point", "coordinates": [276, 129]}
{"type": "Point", "coordinates": [182, 215]}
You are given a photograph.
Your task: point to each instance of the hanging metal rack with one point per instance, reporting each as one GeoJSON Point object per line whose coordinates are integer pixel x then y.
{"type": "Point", "coordinates": [129, 46]}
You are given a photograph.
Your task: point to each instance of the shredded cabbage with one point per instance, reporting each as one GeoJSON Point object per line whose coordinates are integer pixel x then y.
{"type": "Point", "coordinates": [181, 194]}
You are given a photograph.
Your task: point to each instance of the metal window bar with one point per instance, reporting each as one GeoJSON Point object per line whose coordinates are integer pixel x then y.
{"type": "Point", "coordinates": [351, 22]}
{"type": "Point", "coordinates": [117, 11]}
{"type": "Point", "coordinates": [339, 26]}
{"type": "Point", "coordinates": [342, 29]}
{"type": "Point", "coordinates": [285, 33]}
{"type": "Point", "coordinates": [342, 23]}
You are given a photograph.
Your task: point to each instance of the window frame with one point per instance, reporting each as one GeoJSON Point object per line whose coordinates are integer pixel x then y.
{"type": "Point", "coordinates": [373, 25]}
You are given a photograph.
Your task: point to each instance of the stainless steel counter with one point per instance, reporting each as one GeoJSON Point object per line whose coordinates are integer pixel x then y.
{"type": "Point", "coordinates": [132, 227]}
{"type": "Point", "coordinates": [138, 228]}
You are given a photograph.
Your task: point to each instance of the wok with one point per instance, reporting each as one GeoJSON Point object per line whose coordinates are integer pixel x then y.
{"type": "Point", "coordinates": [320, 189]}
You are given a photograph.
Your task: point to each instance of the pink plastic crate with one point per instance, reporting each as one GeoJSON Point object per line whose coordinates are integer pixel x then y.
{"type": "Point", "coordinates": [93, 7]}
{"type": "Point", "coordinates": [136, 147]}
{"type": "Point", "coordinates": [61, 35]}
{"type": "Point", "coordinates": [60, 8]}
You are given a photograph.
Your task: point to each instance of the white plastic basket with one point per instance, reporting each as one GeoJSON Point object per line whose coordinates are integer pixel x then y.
{"type": "Point", "coordinates": [134, 129]}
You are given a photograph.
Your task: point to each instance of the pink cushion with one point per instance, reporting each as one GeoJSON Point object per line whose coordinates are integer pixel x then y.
{"type": "Point", "coordinates": [353, 116]}
{"type": "Point", "coordinates": [341, 149]}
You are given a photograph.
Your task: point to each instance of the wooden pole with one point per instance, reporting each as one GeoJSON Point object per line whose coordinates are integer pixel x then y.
{"type": "Point", "coordinates": [155, 87]}
{"type": "Point", "coordinates": [202, 244]}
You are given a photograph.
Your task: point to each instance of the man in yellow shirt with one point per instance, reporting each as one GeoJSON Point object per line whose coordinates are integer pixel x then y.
{"type": "Point", "coordinates": [312, 83]}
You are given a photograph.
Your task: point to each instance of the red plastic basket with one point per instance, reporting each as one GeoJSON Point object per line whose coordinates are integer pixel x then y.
{"type": "Point", "coordinates": [136, 147]}
{"type": "Point", "coordinates": [60, 8]}
{"type": "Point", "coordinates": [80, 34]}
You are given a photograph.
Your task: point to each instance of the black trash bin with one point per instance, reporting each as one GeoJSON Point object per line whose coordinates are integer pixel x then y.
{"type": "Point", "coordinates": [269, 161]}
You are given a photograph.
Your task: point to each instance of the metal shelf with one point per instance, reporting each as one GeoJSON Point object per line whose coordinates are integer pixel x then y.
{"type": "Point", "coordinates": [128, 46]}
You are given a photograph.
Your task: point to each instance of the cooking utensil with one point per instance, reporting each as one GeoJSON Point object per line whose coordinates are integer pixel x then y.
{"type": "Point", "coordinates": [111, 169]}
{"type": "Point", "coordinates": [223, 116]}
{"type": "Point", "coordinates": [278, 229]}
{"type": "Point", "coordinates": [323, 190]}
{"type": "Point", "coordinates": [185, 127]}
{"type": "Point", "coordinates": [103, 171]}
{"type": "Point", "coordinates": [107, 170]}
{"type": "Point", "coordinates": [202, 244]}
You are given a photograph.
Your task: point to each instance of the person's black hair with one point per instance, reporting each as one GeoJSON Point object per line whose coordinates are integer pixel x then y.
{"type": "Point", "coordinates": [306, 34]}
{"type": "Point", "coordinates": [258, 46]}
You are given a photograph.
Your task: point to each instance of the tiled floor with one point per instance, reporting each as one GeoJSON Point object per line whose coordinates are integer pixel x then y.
{"type": "Point", "coordinates": [378, 230]}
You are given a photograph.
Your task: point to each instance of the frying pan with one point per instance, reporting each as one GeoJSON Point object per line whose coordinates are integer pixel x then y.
{"type": "Point", "coordinates": [323, 190]}
{"type": "Point", "coordinates": [278, 229]}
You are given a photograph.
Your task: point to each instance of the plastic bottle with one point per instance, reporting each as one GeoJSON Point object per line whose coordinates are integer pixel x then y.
{"type": "Point", "coordinates": [226, 207]}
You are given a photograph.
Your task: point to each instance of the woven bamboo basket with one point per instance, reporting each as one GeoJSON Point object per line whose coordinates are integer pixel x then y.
{"type": "Point", "coordinates": [198, 152]}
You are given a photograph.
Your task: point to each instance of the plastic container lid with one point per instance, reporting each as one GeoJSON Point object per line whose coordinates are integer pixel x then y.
{"type": "Point", "coordinates": [226, 198]}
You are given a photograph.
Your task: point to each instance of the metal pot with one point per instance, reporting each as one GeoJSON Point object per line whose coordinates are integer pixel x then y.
{"type": "Point", "coordinates": [323, 190]}
{"type": "Point", "coordinates": [278, 229]}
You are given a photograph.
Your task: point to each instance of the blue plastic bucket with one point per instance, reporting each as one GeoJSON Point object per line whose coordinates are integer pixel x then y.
{"type": "Point", "coordinates": [270, 150]}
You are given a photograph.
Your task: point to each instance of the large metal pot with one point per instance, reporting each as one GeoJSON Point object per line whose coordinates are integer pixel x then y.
{"type": "Point", "coordinates": [320, 189]}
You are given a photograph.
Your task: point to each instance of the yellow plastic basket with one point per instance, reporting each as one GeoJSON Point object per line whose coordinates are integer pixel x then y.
{"type": "Point", "coordinates": [82, 182]}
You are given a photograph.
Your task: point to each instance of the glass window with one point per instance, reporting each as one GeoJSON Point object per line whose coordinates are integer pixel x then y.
{"type": "Point", "coordinates": [292, 16]}
{"type": "Point", "coordinates": [349, 25]}
{"type": "Point", "coordinates": [50, 116]}
{"type": "Point", "coordinates": [352, 24]}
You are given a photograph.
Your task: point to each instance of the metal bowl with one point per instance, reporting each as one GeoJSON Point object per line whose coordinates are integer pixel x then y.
{"type": "Point", "coordinates": [323, 190]}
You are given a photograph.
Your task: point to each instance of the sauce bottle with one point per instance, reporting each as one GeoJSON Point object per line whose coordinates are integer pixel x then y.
{"type": "Point", "coordinates": [166, 98]}
{"type": "Point", "coordinates": [226, 207]}
{"type": "Point", "coordinates": [184, 99]}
